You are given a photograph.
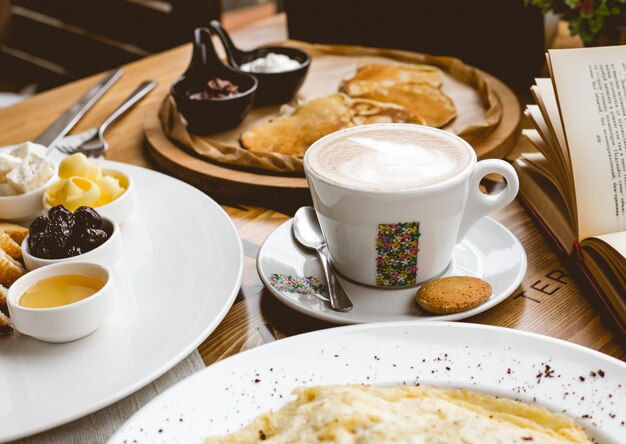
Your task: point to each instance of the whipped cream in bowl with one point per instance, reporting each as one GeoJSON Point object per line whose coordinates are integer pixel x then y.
{"type": "Point", "coordinates": [25, 174]}
{"type": "Point", "coordinates": [271, 63]}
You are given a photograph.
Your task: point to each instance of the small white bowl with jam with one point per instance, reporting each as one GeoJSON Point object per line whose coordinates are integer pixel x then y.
{"type": "Point", "coordinates": [106, 253]}
{"type": "Point", "coordinates": [62, 302]}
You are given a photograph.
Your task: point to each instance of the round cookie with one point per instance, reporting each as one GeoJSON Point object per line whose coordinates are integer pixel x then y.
{"type": "Point", "coordinates": [453, 294]}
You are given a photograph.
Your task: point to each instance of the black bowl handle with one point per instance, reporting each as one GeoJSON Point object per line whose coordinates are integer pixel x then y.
{"type": "Point", "coordinates": [233, 54]}
{"type": "Point", "coordinates": [204, 55]}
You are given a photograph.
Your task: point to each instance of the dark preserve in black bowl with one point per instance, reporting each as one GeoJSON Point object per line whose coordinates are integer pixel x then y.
{"type": "Point", "coordinates": [274, 87]}
{"type": "Point", "coordinates": [210, 95]}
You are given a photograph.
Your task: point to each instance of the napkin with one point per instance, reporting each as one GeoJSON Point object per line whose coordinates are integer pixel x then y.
{"type": "Point", "coordinates": [99, 426]}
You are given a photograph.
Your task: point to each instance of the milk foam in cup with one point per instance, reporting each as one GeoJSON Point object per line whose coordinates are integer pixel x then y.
{"type": "Point", "coordinates": [390, 160]}
{"type": "Point", "coordinates": [394, 199]}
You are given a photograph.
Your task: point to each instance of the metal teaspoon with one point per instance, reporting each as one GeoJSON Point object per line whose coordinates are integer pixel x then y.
{"type": "Point", "coordinates": [307, 230]}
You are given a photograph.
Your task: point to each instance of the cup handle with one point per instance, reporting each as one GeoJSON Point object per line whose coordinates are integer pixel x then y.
{"type": "Point", "coordinates": [480, 204]}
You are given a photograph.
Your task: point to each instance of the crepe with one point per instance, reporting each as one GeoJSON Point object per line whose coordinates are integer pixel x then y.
{"type": "Point", "coordinates": [10, 269]}
{"type": "Point", "coordinates": [434, 106]}
{"type": "Point", "coordinates": [9, 246]}
{"type": "Point", "coordinates": [417, 88]}
{"type": "Point", "coordinates": [378, 75]}
{"type": "Point", "coordinates": [359, 414]}
{"type": "Point", "coordinates": [3, 300]}
{"type": "Point", "coordinates": [17, 232]}
{"type": "Point", "coordinates": [293, 134]}
{"type": "Point", "coordinates": [301, 127]}
{"type": "Point", "coordinates": [5, 325]}
{"type": "Point", "coordinates": [366, 111]}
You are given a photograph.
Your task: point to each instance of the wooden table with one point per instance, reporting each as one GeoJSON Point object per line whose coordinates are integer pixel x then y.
{"type": "Point", "coordinates": [548, 301]}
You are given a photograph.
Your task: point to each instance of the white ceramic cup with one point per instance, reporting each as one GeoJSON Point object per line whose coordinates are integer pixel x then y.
{"type": "Point", "coordinates": [424, 224]}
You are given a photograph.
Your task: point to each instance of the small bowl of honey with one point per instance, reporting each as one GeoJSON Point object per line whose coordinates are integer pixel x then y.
{"type": "Point", "coordinates": [62, 302]}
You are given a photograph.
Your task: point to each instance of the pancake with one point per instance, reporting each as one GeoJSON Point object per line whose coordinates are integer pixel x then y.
{"type": "Point", "coordinates": [366, 111]}
{"type": "Point", "coordinates": [360, 414]}
{"type": "Point", "coordinates": [425, 100]}
{"type": "Point", "coordinates": [375, 76]}
{"type": "Point", "coordinates": [293, 134]}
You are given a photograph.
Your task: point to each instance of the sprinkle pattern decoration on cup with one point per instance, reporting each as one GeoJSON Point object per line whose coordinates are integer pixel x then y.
{"type": "Point", "coordinates": [397, 248]}
{"type": "Point", "coordinates": [306, 286]}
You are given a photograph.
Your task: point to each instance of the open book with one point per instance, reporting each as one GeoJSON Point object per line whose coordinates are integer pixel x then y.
{"type": "Point", "coordinates": [576, 183]}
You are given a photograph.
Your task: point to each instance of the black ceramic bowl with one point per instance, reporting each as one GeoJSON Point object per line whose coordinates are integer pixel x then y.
{"type": "Point", "coordinates": [211, 115]}
{"type": "Point", "coordinates": [274, 88]}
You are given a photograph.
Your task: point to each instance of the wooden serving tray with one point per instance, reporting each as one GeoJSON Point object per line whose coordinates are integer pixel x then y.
{"type": "Point", "coordinates": [286, 193]}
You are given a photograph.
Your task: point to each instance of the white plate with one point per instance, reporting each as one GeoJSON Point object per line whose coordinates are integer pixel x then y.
{"type": "Point", "coordinates": [489, 251]}
{"type": "Point", "coordinates": [228, 395]}
{"type": "Point", "coordinates": [179, 275]}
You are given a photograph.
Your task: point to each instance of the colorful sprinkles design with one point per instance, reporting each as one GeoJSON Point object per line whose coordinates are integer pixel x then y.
{"type": "Point", "coordinates": [397, 246]}
{"type": "Point", "coordinates": [308, 285]}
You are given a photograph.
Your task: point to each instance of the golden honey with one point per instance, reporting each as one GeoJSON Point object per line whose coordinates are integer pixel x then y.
{"type": "Point", "coordinates": [60, 290]}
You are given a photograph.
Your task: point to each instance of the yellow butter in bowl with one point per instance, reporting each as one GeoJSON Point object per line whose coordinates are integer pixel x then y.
{"type": "Point", "coordinates": [110, 188]}
{"type": "Point", "coordinates": [84, 184]}
{"type": "Point", "coordinates": [77, 192]}
{"type": "Point", "coordinates": [78, 165]}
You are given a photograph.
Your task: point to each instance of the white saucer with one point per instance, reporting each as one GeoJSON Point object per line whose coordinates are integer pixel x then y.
{"type": "Point", "coordinates": [489, 251]}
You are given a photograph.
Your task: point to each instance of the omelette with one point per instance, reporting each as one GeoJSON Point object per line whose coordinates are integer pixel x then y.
{"type": "Point", "coordinates": [363, 415]}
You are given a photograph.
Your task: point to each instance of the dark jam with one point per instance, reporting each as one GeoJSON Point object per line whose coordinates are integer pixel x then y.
{"type": "Point", "coordinates": [215, 89]}
{"type": "Point", "coordinates": [65, 234]}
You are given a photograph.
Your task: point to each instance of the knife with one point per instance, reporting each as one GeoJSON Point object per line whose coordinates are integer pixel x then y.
{"type": "Point", "coordinates": [66, 122]}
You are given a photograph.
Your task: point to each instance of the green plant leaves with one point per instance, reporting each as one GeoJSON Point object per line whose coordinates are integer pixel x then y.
{"type": "Point", "coordinates": [587, 18]}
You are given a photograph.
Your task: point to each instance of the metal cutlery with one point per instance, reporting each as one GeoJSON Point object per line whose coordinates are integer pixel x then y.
{"type": "Point", "coordinates": [307, 231]}
{"type": "Point", "coordinates": [75, 140]}
{"type": "Point", "coordinates": [96, 145]}
{"type": "Point", "coordinates": [69, 118]}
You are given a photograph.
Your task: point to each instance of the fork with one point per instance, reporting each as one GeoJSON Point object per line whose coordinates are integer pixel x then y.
{"type": "Point", "coordinates": [97, 146]}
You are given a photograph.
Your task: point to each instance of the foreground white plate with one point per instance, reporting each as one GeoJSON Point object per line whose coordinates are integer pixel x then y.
{"type": "Point", "coordinates": [181, 270]}
{"type": "Point", "coordinates": [489, 251]}
{"type": "Point", "coordinates": [498, 361]}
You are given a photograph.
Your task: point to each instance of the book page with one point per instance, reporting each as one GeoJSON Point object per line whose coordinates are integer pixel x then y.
{"type": "Point", "coordinates": [534, 115]}
{"type": "Point", "coordinates": [546, 99]}
{"type": "Point", "coordinates": [590, 86]}
{"type": "Point", "coordinates": [550, 164]}
{"type": "Point", "coordinates": [543, 166]}
{"type": "Point", "coordinates": [615, 240]}
{"type": "Point", "coordinates": [546, 202]}
{"type": "Point", "coordinates": [544, 94]}
{"type": "Point", "coordinates": [607, 266]}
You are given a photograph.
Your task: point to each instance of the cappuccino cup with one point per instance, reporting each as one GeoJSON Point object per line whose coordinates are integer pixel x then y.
{"type": "Point", "coordinates": [394, 199]}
